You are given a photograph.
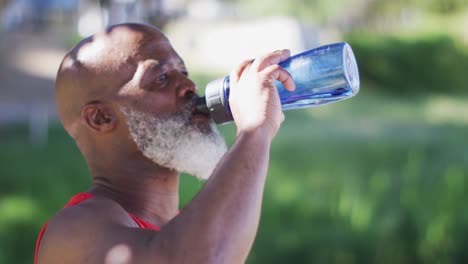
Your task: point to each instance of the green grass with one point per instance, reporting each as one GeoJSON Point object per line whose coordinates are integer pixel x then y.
{"type": "Point", "coordinates": [373, 179]}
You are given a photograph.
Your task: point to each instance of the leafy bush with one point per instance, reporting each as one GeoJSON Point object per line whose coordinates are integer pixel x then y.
{"type": "Point", "coordinates": [403, 65]}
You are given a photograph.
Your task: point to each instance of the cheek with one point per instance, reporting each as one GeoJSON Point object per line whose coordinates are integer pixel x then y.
{"type": "Point", "coordinates": [157, 103]}
{"type": "Point", "coordinates": [149, 102]}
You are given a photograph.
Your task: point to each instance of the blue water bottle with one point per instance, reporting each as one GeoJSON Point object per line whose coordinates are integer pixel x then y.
{"type": "Point", "coordinates": [322, 75]}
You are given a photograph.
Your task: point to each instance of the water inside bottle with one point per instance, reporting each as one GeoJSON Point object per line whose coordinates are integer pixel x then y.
{"type": "Point", "coordinates": [322, 76]}
{"type": "Point", "coordinates": [307, 100]}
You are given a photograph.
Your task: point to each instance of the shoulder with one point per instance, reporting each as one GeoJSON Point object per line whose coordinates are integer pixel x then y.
{"type": "Point", "coordinates": [75, 230]}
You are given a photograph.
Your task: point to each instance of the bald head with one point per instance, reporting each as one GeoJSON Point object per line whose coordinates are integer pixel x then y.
{"type": "Point", "coordinates": [95, 69]}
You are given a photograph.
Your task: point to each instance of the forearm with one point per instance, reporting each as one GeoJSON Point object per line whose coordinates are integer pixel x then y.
{"type": "Point", "coordinates": [237, 187]}
{"type": "Point", "coordinates": [221, 222]}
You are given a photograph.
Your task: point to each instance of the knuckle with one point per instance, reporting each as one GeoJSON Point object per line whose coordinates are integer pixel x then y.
{"type": "Point", "coordinates": [272, 69]}
{"type": "Point", "coordinates": [264, 59]}
{"type": "Point", "coordinates": [276, 67]}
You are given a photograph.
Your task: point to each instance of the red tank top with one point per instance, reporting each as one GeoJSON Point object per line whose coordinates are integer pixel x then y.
{"type": "Point", "coordinates": [79, 198]}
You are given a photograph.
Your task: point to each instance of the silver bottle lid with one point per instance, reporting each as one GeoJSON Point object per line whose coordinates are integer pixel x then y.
{"type": "Point", "coordinates": [217, 102]}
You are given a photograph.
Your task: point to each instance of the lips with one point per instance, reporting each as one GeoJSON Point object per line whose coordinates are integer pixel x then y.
{"type": "Point", "coordinates": [200, 110]}
{"type": "Point", "coordinates": [196, 110]}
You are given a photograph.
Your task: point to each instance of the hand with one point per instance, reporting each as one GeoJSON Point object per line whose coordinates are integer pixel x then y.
{"type": "Point", "coordinates": [253, 98]}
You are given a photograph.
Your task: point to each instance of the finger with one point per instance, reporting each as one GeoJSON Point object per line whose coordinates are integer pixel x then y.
{"type": "Point", "coordinates": [270, 59]}
{"type": "Point", "coordinates": [235, 75]}
{"type": "Point", "coordinates": [282, 75]}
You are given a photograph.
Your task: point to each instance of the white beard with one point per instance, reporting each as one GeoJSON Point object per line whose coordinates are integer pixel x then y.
{"type": "Point", "coordinates": [176, 143]}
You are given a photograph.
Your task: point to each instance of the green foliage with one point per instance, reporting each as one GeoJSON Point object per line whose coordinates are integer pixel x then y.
{"type": "Point", "coordinates": [325, 10]}
{"type": "Point", "coordinates": [411, 65]}
{"type": "Point", "coordinates": [442, 6]}
{"type": "Point", "coordinates": [305, 10]}
{"type": "Point", "coordinates": [437, 6]}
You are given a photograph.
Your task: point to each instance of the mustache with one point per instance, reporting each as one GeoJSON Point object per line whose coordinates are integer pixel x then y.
{"type": "Point", "coordinates": [184, 114]}
{"type": "Point", "coordinates": [186, 111]}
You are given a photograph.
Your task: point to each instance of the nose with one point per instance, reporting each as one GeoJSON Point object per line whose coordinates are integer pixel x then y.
{"type": "Point", "coordinates": [187, 88]}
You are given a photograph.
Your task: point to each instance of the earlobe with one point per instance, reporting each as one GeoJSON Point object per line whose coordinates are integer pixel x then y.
{"type": "Point", "coordinates": [98, 117]}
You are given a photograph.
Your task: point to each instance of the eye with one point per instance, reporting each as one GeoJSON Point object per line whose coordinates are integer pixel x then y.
{"type": "Point", "coordinates": [162, 78]}
{"type": "Point", "coordinates": [185, 73]}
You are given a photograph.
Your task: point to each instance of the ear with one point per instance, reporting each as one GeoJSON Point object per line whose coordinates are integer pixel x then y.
{"type": "Point", "coordinates": [98, 117]}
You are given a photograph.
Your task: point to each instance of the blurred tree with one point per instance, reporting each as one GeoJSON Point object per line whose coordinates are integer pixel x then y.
{"type": "Point", "coordinates": [446, 6]}
{"type": "Point", "coordinates": [308, 10]}
{"type": "Point", "coordinates": [346, 13]}
{"type": "Point", "coordinates": [118, 11]}
{"type": "Point", "coordinates": [439, 6]}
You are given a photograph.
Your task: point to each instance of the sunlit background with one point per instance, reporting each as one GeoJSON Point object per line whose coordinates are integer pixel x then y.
{"type": "Point", "coordinates": [378, 178]}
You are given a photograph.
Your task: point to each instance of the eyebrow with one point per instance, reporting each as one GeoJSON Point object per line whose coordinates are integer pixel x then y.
{"type": "Point", "coordinates": [177, 61]}
{"type": "Point", "coordinates": [153, 66]}
{"type": "Point", "coordinates": [161, 62]}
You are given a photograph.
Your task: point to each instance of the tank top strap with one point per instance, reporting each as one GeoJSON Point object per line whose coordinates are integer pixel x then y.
{"type": "Point", "coordinates": [143, 224]}
{"type": "Point", "coordinates": [78, 198]}
{"type": "Point", "coordinates": [81, 197]}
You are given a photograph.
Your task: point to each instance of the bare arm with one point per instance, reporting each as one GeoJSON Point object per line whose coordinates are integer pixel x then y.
{"type": "Point", "coordinates": [228, 207]}
{"type": "Point", "coordinates": [220, 224]}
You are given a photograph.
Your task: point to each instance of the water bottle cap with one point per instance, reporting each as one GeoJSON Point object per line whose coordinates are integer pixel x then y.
{"type": "Point", "coordinates": [216, 101]}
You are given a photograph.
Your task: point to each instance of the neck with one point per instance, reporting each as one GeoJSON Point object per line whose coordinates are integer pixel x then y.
{"type": "Point", "coordinates": [143, 188]}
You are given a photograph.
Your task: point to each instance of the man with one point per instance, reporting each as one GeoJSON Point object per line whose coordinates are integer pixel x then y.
{"type": "Point", "coordinates": [125, 97]}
